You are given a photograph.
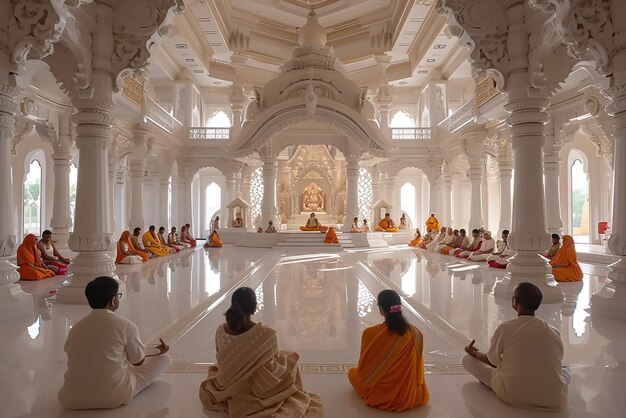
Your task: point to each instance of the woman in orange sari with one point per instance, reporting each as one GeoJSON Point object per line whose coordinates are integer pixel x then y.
{"type": "Point", "coordinates": [29, 260]}
{"type": "Point", "coordinates": [564, 264]}
{"type": "Point", "coordinates": [390, 373]}
{"type": "Point", "coordinates": [417, 240]}
{"type": "Point", "coordinates": [126, 253]}
{"type": "Point", "coordinates": [214, 240]}
{"type": "Point", "coordinates": [331, 236]}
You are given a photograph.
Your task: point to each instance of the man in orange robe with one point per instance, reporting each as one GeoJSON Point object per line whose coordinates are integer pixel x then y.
{"type": "Point", "coordinates": [152, 244]}
{"type": "Point", "coordinates": [29, 260]}
{"type": "Point", "coordinates": [433, 223]}
{"type": "Point", "coordinates": [390, 372]}
{"type": "Point", "coordinates": [125, 248]}
{"type": "Point", "coordinates": [387, 224]}
{"type": "Point", "coordinates": [564, 264]}
{"type": "Point", "coordinates": [214, 240]}
{"type": "Point", "coordinates": [331, 237]}
{"type": "Point", "coordinates": [312, 224]}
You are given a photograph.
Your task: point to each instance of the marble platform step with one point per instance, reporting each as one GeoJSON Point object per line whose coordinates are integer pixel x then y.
{"type": "Point", "coordinates": [297, 221]}
{"type": "Point", "coordinates": [314, 240]}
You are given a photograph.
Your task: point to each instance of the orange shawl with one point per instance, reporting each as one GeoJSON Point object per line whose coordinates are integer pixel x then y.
{"type": "Point", "coordinates": [331, 237]}
{"type": "Point", "coordinates": [131, 247]}
{"type": "Point", "coordinates": [215, 240]}
{"type": "Point", "coordinates": [566, 256]}
{"type": "Point", "coordinates": [27, 254]}
{"type": "Point", "coordinates": [390, 373]}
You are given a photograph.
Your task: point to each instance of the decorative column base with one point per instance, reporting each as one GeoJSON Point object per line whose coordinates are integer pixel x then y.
{"type": "Point", "coordinates": [61, 238]}
{"type": "Point", "coordinates": [611, 300]}
{"type": "Point", "coordinates": [14, 301]}
{"type": "Point", "coordinates": [528, 266]}
{"type": "Point", "coordinates": [83, 269]}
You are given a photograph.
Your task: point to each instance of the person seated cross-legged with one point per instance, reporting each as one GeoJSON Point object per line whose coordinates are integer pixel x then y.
{"type": "Point", "coordinates": [126, 253]}
{"type": "Point", "coordinates": [29, 260]}
{"type": "Point", "coordinates": [355, 225]}
{"type": "Point", "coordinates": [50, 256]}
{"type": "Point", "coordinates": [312, 224]}
{"type": "Point", "coordinates": [390, 372]}
{"type": "Point", "coordinates": [556, 244]}
{"type": "Point", "coordinates": [387, 224]}
{"type": "Point", "coordinates": [417, 240]}
{"type": "Point", "coordinates": [486, 248]}
{"type": "Point", "coordinates": [564, 264]}
{"type": "Point", "coordinates": [474, 245]}
{"type": "Point", "coordinates": [331, 236]}
{"type": "Point", "coordinates": [151, 243]}
{"type": "Point", "coordinates": [271, 229]}
{"type": "Point", "coordinates": [500, 258]}
{"type": "Point", "coordinates": [523, 363]}
{"type": "Point", "coordinates": [213, 240]}
{"type": "Point", "coordinates": [106, 361]}
{"type": "Point", "coordinates": [448, 240]}
{"type": "Point", "coordinates": [462, 240]}
{"type": "Point", "coordinates": [253, 377]}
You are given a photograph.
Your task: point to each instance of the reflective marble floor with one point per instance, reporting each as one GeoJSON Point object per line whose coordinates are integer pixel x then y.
{"type": "Point", "coordinates": [319, 303]}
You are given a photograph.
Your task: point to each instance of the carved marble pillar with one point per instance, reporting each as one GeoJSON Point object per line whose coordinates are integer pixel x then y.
{"type": "Point", "coordinates": [526, 120]}
{"type": "Point", "coordinates": [164, 187]}
{"type": "Point", "coordinates": [611, 300]}
{"type": "Point", "coordinates": [137, 173]}
{"type": "Point", "coordinates": [384, 100]}
{"type": "Point", "coordinates": [551, 168]}
{"type": "Point", "coordinates": [119, 199]}
{"type": "Point", "coordinates": [61, 221]}
{"type": "Point", "coordinates": [112, 171]}
{"type": "Point", "coordinates": [446, 183]}
{"type": "Point", "coordinates": [181, 199]}
{"type": "Point", "coordinates": [91, 237]}
{"type": "Point", "coordinates": [505, 173]}
{"type": "Point", "coordinates": [475, 175]}
{"type": "Point", "coordinates": [13, 300]}
{"type": "Point", "coordinates": [237, 100]}
{"type": "Point", "coordinates": [352, 191]}
{"type": "Point", "coordinates": [268, 205]}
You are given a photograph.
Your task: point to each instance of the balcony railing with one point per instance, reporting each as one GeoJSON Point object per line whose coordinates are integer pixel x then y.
{"type": "Point", "coordinates": [485, 90]}
{"type": "Point", "coordinates": [411, 134]}
{"type": "Point", "coordinates": [210, 134]}
{"type": "Point", "coordinates": [161, 117]}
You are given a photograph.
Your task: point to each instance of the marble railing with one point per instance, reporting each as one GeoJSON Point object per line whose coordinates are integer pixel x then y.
{"type": "Point", "coordinates": [411, 134]}
{"type": "Point", "coordinates": [161, 117]}
{"type": "Point", "coordinates": [210, 134]}
{"type": "Point", "coordinates": [464, 115]}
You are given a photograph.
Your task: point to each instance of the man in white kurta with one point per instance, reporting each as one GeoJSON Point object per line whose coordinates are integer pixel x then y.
{"type": "Point", "coordinates": [523, 364]}
{"type": "Point", "coordinates": [487, 247]}
{"type": "Point", "coordinates": [500, 258]}
{"type": "Point", "coordinates": [106, 360]}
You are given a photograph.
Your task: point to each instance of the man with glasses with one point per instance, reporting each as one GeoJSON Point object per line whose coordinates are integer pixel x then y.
{"type": "Point", "coordinates": [106, 361]}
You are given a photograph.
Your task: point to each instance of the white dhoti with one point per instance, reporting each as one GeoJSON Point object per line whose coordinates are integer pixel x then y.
{"type": "Point", "coordinates": [132, 259]}
{"type": "Point", "coordinates": [431, 246]}
{"type": "Point", "coordinates": [479, 257]}
{"type": "Point", "coordinates": [464, 254]}
{"type": "Point", "coordinates": [439, 247]}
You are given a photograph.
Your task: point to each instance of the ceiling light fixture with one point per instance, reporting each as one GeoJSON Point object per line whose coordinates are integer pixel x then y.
{"type": "Point", "coordinates": [430, 60]}
{"type": "Point", "coordinates": [439, 46]}
{"type": "Point", "coordinates": [422, 71]}
{"type": "Point", "coordinates": [198, 71]}
{"type": "Point", "coordinates": [190, 60]}
{"type": "Point", "coordinates": [181, 46]}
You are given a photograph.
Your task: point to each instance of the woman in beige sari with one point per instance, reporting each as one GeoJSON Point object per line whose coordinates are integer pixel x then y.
{"type": "Point", "coordinates": [253, 377]}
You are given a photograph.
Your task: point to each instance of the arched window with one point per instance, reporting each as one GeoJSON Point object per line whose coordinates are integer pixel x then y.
{"type": "Point", "coordinates": [407, 201]}
{"type": "Point", "coordinates": [32, 199]}
{"type": "Point", "coordinates": [213, 202]}
{"type": "Point", "coordinates": [579, 201]}
{"type": "Point", "coordinates": [73, 183]}
{"type": "Point", "coordinates": [402, 119]}
{"type": "Point", "coordinates": [365, 194]}
{"type": "Point", "coordinates": [218, 120]}
{"type": "Point", "coordinates": [256, 195]}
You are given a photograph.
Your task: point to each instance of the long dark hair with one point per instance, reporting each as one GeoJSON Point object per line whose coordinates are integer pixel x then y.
{"type": "Point", "coordinates": [242, 305]}
{"type": "Point", "coordinates": [396, 322]}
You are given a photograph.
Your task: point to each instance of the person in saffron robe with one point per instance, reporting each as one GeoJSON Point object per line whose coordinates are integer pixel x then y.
{"type": "Point", "coordinates": [499, 259]}
{"type": "Point", "coordinates": [136, 243]}
{"type": "Point", "coordinates": [185, 236]}
{"type": "Point", "coordinates": [564, 264]}
{"type": "Point", "coordinates": [404, 224]}
{"type": "Point", "coordinates": [214, 240]}
{"type": "Point", "coordinates": [174, 241]}
{"type": "Point", "coordinates": [523, 364]}
{"type": "Point", "coordinates": [331, 237]}
{"type": "Point", "coordinates": [253, 377]}
{"type": "Point", "coordinates": [390, 372]}
{"type": "Point", "coordinates": [433, 223]}
{"type": "Point", "coordinates": [152, 244]}
{"type": "Point", "coordinates": [387, 224]}
{"type": "Point", "coordinates": [126, 254]}
{"type": "Point", "coordinates": [365, 227]}
{"type": "Point", "coordinates": [171, 248]}
{"type": "Point", "coordinates": [270, 228]}
{"type": "Point", "coordinates": [417, 240]}
{"type": "Point", "coordinates": [556, 244]}
{"type": "Point", "coordinates": [29, 260]}
{"type": "Point", "coordinates": [486, 248]}
{"type": "Point", "coordinates": [355, 225]}
{"type": "Point", "coordinates": [312, 224]}
{"type": "Point", "coordinates": [474, 245]}
{"type": "Point", "coordinates": [50, 256]}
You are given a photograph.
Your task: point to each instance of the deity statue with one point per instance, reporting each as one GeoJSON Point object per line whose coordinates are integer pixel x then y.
{"type": "Point", "coordinates": [312, 199]}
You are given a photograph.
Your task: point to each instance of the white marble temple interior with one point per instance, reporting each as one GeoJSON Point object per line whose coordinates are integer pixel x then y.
{"type": "Point", "coordinates": [319, 303]}
{"type": "Point", "coordinates": [505, 115]}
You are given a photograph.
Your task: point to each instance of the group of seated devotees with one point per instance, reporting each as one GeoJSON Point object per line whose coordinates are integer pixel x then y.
{"type": "Point", "coordinates": [132, 250]}
{"type": "Point", "coordinates": [30, 263]}
{"type": "Point", "coordinates": [523, 363]}
{"type": "Point", "coordinates": [312, 224]}
{"type": "Point", "coordinates": [106, 361]}
{"type": "Point", "coordinates": [387, 224]}
{"type": "Point", "coordinates": [107, 365]}
{"type": "Point", "coordinates": [455, 242]}
{"type": "Point", "coordinates": [359, 228]}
